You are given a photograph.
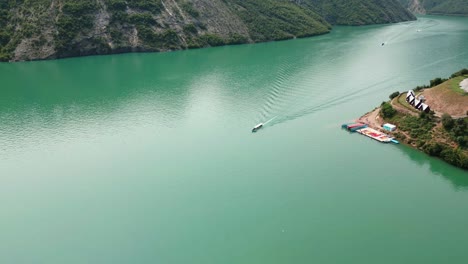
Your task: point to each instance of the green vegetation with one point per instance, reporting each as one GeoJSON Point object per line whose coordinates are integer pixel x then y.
{"type": "Point", "coordinates": [424, 135]}
{"type": "Point", "coordinates": [394, 95]}
{"type": "Point", "coordinates": [402, 102]}
{"type": "Point", "coordinates": [418, 127]}
{"type": "Point", "coordinates": [158, 41]}
{"type": "Point", "coordinates": [141, 19]}
{"type": "Point", "coordinates": [386, 110]}
{"type": "Point", "coordinates": [455, 85]}
{"type": "Point", "coordinates": [56, 29]}
{"type": "Point", "coordinates": [455, 80]}
{"type": "Point", "coordinates": [6, 32]}
{"type": "Point", "coordinates": [458, 129]}
{"type": "Point", "coordinates": [76, 17]}
{"type": "Point", "coordinates": [190, 9]}
{"type": "Point", "coordinates": [153, 6]}
{"type": "Point", "coordinates": [278, 20]}
{"type": "Point", "coordinates": [442, 137]}
{"type": "Point", "coordinates": [360, 12]}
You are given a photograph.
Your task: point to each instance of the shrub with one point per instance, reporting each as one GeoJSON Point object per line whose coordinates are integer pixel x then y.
{"type": "Point", "coordinates": [460, 73]}
{"type": "Point", "coordinates": [79, 8]}
{"type": "Point", "coordinates": [447, 121]}
{"type": "Point", "coordinates": [190, 29]}
{"type": "Point", "coordinates": [394, 95]}
{"type": "Point", "coordinates": [154, 6]}
{"type": "Point", "coordinates": [144, 18]}
{"type": "Point", "coordinates": [434, 149]}
{"type": "Point", "coordinates": [4, 38]}
{"type": "Point", "coordinates": [462, 141]}
{"type": "Point", "coordinates": [237, 39]}
{"type": "Point", "coordinates": [436, 82]}
{"type": "Point", "coordinates": [387, 110]}
{"type": "Point", "coordinates": [211, 39]}
{"type": "Point", "coordinates": [188, 8]}
{"type": "Point", "coordinates": [117, 5]}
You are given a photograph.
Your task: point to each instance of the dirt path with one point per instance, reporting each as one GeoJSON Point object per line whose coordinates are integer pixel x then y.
{"type": "Point", "coordinates": [397, 106]}
{"type": "Point", "coordinates": [372, 119]}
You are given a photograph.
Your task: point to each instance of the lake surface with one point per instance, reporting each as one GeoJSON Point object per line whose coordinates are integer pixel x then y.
{"type": "Point", "coordinates": [149, 158]}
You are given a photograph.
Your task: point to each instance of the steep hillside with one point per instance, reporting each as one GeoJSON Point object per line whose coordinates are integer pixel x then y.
{"type": "Point", "coordinates": [47, 29]}
{"type": "Point", "coordinates": [442, 7]}
{"type": "Point", "coordinates": [361, 12]}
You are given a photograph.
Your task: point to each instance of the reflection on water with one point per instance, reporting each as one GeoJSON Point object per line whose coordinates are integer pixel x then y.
{"type": "Point", "coordinates": [457, 177]}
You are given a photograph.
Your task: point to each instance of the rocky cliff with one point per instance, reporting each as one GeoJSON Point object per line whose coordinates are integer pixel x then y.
{"type": "Point", "coordinates": [48, 29]}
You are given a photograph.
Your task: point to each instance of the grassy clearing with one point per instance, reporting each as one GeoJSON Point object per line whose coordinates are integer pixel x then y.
{"type": "Point", "coordinates": [439, 136]}
{"type": "Point", "coordinates": [402, 101]}
{"type": "Point", "coordinates": [455, 85]}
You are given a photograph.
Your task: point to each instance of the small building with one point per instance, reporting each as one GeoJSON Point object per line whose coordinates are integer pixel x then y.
{"type": "Point", "coordinates": [389, 127]}
{"type": "Point", "coordinates": [408, 95]}
{"type": "Point", "coordinates": [425, 108]}
{"type": "Point", "coordinates": [417, 104]}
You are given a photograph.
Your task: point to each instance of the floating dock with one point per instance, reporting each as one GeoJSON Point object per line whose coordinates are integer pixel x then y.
{"type": "Point", "coordinates": [365, 130]}
{"type": "Point", "coordinates": [353, 127]}
{"type": "Point", "coordinates": [376, 135]}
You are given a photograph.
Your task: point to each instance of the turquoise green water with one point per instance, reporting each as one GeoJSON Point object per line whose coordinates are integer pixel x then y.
{"type": "Point", "coordinates": [149, 158]}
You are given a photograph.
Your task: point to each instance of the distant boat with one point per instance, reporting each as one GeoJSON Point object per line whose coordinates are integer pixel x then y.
{"type": "Point", "coordinates": [257, 127]}
{"type": "Point", "coordinates": [383, 43]}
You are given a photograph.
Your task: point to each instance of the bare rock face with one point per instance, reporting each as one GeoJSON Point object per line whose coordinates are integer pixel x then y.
{"type": "Point", "coordinates": [219, 18]}
{"type": "Point", "coordinates": [416, 7]}
{"type": "Point", "coordinates": [439, 7]}
{"type": "Point", "coordinates": [48, 29]}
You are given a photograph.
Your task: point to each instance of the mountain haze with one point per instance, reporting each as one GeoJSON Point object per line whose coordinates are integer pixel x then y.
{"type": "Point", "coordinates": [360, 12]}
{"type": "Point", "coordinates": [48, 29]}
{"type": "Point", "coordinates": [441, 7]}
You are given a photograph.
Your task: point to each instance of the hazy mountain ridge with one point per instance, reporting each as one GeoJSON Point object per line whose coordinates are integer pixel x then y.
{"type": "Point", "coordinates": [361, 12]}
{"type": "Point", "coordinates": [48, 29]}
{"type": "Point", "coordinates": [441, 7]}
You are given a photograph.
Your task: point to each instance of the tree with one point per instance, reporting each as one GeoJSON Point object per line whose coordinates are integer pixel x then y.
{"type": "Point", "coordinates": [447, 121]}
{"type": "Point", "coordinates": [387, 110]}
{"type": "Point", "coordinates": [436, 82]}
{"type": "Point", "coordinates": [394, 95]}
{"type": "Point", "coordinates": [434, 149]}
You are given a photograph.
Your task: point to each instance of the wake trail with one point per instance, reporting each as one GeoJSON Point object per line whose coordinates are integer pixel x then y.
{"type": "Point", "coordinates": [294, 114]}
{"type": "Point", "coordinates": [270, 120]}
{"type": "Point", "coordinates": [354, 95]}
{"type": "Point", "coordinates": [286, 90]}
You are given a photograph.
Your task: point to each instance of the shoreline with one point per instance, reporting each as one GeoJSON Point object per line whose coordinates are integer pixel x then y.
{"type": "Point", "coordinates": [432, 131]}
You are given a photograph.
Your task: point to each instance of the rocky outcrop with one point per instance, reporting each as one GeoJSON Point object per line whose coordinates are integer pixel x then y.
{"type": "Point", "coordinates": [416, 7]}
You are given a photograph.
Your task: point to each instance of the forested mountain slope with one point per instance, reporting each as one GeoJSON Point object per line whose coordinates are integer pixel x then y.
{"type": "Point", "coordinates": [361, 12]}
{"type": "Point", "coordinates": [47, 29]}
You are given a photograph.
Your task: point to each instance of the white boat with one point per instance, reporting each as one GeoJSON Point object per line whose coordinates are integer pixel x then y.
{"type": "Point", "coordinates": [257, 127]}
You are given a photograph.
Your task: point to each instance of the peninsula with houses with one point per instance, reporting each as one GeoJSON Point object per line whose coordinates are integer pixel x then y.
{"type": "Point", "coordinates": [431, 118]}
